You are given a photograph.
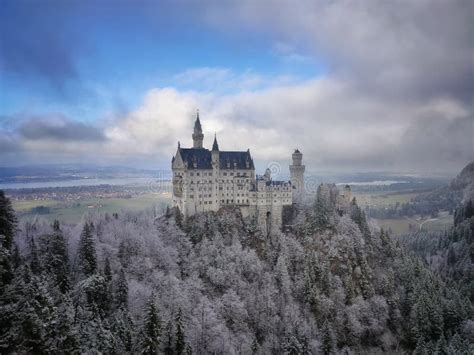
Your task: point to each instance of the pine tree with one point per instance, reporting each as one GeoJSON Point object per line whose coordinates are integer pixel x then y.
{"type": "Point", "coordinates": [35, 264]}
{"type": "Point", "coordinates": [107, 270]}
{"type": "Point", "coordinates": [321, 215]}
{"type": "Point", "coordinates": [7, 230]}
{"type": "Point", "coordinates": [123, 330]}
{"type": "Point", "coordinates": [33, 314]}
{"type": "Point", "coordinates": [169, 349]}
{"type": "Point", "coordinates": [87, 255]}
{"type": "Point", "coordinates": [121, 291]}
{"type": "Point", "coordinates": [6, 268]}
{"type": "Point", "coordinates": [180, 345]}
{"type": "Point", "coordinates": [8, 221]}
{"type": "Point", "coordinates": [92, 304]}
{"type": "Point", "coordinates": [255, 346]}
{"type": "Point", "coordinates": [327, 341]}
{"type": "Point", "coordinates": [57, 260]}
{"type": "Point", "coordinates": [64, 335]}
{"type": "Point", "coordinates": [152, 329]}
{"type": "Point", "coordinates": [16, 257]}
{"type": "Point", "coordinates": [358, 216]}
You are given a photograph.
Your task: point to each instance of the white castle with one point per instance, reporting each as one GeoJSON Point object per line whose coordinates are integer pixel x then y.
{"type": "Point", "coordinates": [207, 180]}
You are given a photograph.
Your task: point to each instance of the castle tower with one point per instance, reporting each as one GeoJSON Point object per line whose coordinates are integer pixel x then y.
{"type": "Point", "coordinates": [197, 134]}
{"type": "Point", "coordinates": [215, 154]}
{"type": "Point", "coordinates": [297, 176]}
{"type": "Point", "coordinates": [216, 173]}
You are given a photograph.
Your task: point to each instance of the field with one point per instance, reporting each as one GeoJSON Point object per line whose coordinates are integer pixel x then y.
{"type": "Point", "coordinates": [384, 199]}
{"type": "Point", "coordinates": [72, 212]}
{"type": "Point", "coordinates": [402, 225]}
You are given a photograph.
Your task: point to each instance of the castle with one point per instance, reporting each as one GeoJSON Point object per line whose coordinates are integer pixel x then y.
{"type": "Point", "coordinates": [207, 180]}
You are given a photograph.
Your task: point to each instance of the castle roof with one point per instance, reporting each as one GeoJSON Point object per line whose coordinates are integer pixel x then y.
{"type": "Point", "coordinates": [201, 158]}
{"type": "Point", "coordinates": [215, 146]}
{"type": "Point", "coordinates": [197, 123]}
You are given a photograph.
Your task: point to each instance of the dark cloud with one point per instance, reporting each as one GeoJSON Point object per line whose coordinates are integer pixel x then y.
{"type": "Point", "coordinates": [406, 50]}
{"type": "Point", "coordinates": [36, 43]}
{"type": "Point", "coordinates": [437, 142]}
{"type": "Point", "coordinates": [8, 143]}
{"type": "Point", "coordinates": [59, 128]}
{"type": "Point", "coordinates": [47, 39]}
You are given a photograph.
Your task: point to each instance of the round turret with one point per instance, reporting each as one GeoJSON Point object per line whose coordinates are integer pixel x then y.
{"type": "Point", "coordinates": [297, 157]}
{"type": "Point", "coordinates": [297, 176]}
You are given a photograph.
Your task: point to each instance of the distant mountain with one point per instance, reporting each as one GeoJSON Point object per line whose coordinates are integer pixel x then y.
{"type": "Point", "coordinates": [465, 181]}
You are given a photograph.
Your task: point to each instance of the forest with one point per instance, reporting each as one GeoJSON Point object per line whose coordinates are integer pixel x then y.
{"type": "Point", "coordinates": [137, 282]}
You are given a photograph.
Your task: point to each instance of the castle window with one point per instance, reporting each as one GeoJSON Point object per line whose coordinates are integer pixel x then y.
{"type": "Point", "coordinates": [197, 174]}
{"type": "Point", "coordinates": [192, 174]}
{"type": "Point", "coordinates": [231, 174]}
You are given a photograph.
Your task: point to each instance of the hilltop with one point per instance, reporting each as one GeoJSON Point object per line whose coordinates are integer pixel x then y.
{"type": "Point", "coordinates": [214, 283]}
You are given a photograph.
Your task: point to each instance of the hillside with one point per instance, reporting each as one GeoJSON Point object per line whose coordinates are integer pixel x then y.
{"type": "Point", "coordinates": [134, 282]}
{"type": "Point", "coordinates": [465, 182]}
{"type": "Point", "coordinates": [451, 254]}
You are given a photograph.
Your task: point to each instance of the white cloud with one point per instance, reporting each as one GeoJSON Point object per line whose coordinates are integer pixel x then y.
{"type": "Point", "coordinates": [397, 94]}
{"type": "Point", "coordinates": [331, 122]}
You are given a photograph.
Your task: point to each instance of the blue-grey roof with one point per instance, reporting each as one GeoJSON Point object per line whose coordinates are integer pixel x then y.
{"type": "Point", "coordinates": [227, 160]}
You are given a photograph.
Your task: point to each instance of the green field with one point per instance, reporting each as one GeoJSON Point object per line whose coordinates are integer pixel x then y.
{"type": "Point", "coordinates": [71, 212]}
{"type": "Point", "coordinates": [383, 199]}
{"type": "Point", "coordinates": [402, 225]}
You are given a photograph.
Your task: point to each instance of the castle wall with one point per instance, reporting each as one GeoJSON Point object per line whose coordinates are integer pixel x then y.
{"type": "Point", "coordinates": [201, 190]}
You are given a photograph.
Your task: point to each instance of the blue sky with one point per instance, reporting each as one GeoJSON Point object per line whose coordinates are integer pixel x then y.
{"type": "Point", "coordinates": [354, 85]}
{"type": "Point", "coordinates": [110, 55]}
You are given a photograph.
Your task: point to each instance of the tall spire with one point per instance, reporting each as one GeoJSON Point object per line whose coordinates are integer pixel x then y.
{"type": "Point", "coordinates": [215, 146]}
{"type": "Point", "coordinates": [197, 124]}
{"type": "Point", "coordinates": [197, 134]}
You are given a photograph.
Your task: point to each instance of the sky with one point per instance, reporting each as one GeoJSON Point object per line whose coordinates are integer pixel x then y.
{"type": "Point", "coordinates": [355, 85]}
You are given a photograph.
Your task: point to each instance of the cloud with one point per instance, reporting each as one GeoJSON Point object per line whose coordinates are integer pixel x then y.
{"type": "Point", "coordinates": [289, 54]}
{"type": "Point", "coordinates": [36, 43]}
{"type": "Point", "coordinates": [218, 80]}
{"type": "Point", "coordinates": [396, 49]}
{"type": "Point", "coordinates": [435, 140]}
{"type": "Point", "coordinates": [397, 93]}
{"type": "Point", "coordinates": [360, 134]}
{"type": "Point", "coordinates": [8, 144]}
{"type": "Point", "coordinates": [58, 128]}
